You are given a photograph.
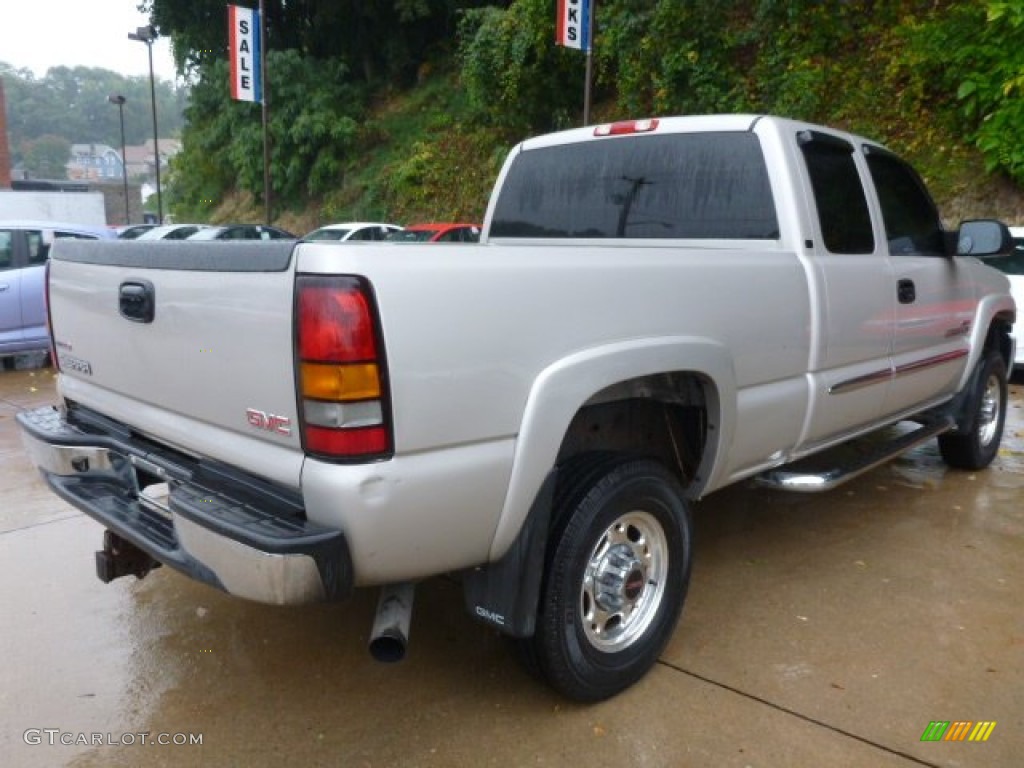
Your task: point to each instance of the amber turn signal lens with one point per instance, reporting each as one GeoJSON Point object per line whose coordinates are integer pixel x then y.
{"type": "Point", "coordinates": [346, 382]}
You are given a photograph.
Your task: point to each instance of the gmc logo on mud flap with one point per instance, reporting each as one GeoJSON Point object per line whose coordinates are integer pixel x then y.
{"type": "Point", "coordinates": [268, 422]}
{"type": "Point", "coordinates": [491, 616]}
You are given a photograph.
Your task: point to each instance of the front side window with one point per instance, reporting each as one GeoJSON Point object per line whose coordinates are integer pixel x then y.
{"type": "Point", "coordinates": [700, 185]}
{"type": "Point", "coordinates": [912, 224]}
{"type": "Point", "coordinates": [838, 193]}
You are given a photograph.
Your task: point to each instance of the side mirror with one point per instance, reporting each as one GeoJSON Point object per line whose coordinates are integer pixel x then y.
{"type": "Point", "coordinates": [47, 237]}
{"type": "Point", "coordinates": [984, 237]}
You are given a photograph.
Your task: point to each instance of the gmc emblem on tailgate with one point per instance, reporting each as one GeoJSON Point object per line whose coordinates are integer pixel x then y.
{"type": "Point", "coordinates": [268, 422]}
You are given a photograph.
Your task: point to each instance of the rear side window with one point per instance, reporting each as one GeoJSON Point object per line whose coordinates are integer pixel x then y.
{"type": "Point", "coordinates": [838, 193]}
{"type": "Point", "coordinates": [704, 185]}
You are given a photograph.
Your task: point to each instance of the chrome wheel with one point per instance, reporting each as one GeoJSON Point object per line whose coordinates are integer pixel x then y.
{"type": "Point", "coordinates": [989, 410]}
{"type": "Point", "coordinates": [624, 581]}
{"type": "Point", "coordinates": [616, 574]}
{"type": "Point", "coordinates": [975, 443]}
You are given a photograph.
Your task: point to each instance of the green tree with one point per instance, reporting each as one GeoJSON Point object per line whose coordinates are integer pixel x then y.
{"type": "Point", "coordinates": [671, 56]}
{"type": "Point", "coordinates": [984, 52]}
{"type": "Point", "coordinates": [515, 76]}
{"type": "Point", "coordinates": [72, 102]}
{"type": "Point", "coordinates": [314, 122]}
{"type": "Point", "coordinates": [46, 157]}
{"type": "Point", "coordinates": [385, 41]}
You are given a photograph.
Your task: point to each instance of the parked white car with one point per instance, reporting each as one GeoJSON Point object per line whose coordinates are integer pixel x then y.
{"type": "Point", "coordinates": [171, 232]}
{"type": "Point", "coordinates": [353, 230]}
{"type": "Point", "coordinates": [1013, 267]}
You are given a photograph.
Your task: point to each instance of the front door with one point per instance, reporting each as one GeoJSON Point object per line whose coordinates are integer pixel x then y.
{"type": "Point", "coordinates": [935, 305]}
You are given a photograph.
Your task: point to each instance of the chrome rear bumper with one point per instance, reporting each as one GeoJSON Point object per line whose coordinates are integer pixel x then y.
{"type": "Point", "coordinates": [211, 522]}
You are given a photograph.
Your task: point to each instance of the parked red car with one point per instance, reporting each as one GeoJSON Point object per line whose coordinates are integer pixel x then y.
{"type": "Point", "coordinates": [437, 233]}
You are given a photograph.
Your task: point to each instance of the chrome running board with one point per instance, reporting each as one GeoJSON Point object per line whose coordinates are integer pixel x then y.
{"type": "Point", "coordinates": [818, 482]}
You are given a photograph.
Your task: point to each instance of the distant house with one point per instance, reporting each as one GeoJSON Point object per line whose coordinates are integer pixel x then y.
{"type": "Point", "coordinates": [139, 158]}
{"type": "Point", "coordinates": [94, 162]}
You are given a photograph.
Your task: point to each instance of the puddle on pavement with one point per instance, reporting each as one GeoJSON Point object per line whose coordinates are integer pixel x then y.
{"type": "Point", "coordinates": [279, 686]}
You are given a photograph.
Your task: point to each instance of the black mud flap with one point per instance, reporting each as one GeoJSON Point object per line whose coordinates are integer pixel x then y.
{"type": "Point", "coordinates": [504, 593]}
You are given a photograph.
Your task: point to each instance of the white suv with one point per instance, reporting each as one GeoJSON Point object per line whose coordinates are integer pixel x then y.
{"type": "Point", "coordinates": [1013, 267]}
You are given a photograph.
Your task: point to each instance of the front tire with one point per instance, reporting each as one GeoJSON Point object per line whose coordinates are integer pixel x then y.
{"type": "Point", "coordinates": [615, 580]}
{"type": "Point", "coordinates": [976, 447]}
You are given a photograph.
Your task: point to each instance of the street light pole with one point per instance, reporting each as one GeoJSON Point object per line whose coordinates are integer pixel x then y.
{"type": "Point", "coordinates": [147, 35]}
{"type": "Point", "coordinates": [117, 98]}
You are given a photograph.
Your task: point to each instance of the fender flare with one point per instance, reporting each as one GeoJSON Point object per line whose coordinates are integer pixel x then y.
{"type": "Point", "coordinates": [991, 309]}
{"type": "Point", "coordinates": [565, 386]}
{"type": "Point", "coordinates": [504, 592]}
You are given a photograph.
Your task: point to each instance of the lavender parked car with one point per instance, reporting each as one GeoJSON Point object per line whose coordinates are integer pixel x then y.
{"type": "Point", "coordinates": [24, 248]}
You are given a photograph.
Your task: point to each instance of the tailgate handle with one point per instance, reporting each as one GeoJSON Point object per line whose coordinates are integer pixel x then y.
{"type": "Point", "coordinates": [137, 301]}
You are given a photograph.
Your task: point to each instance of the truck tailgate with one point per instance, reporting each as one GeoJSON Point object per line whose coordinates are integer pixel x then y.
{"type": "Point", "coordinates": [190, 341]}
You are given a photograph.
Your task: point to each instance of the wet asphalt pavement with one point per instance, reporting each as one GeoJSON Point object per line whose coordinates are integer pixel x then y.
{"type": "Point", "coordinates": [824, 630]}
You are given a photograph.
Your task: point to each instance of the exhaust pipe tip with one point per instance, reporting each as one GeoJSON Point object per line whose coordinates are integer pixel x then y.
{"type": "Point", "coordinates": [389, 647]}
{"type": "Point", "coordinates": [389, 637]}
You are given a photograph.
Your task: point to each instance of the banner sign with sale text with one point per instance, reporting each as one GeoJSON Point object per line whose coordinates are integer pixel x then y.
{"type": "Point", "coordinates": [572, 24]}
{"type": "Point", "coordinates": [244, 42]}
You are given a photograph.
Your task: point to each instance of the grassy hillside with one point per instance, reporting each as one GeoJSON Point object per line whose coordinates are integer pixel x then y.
{"type": "Point", "coordinates": [421, 157]}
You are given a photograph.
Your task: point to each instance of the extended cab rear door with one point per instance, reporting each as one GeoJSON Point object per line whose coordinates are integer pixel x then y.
{"type": "Point", "coordinates": [854, 292]}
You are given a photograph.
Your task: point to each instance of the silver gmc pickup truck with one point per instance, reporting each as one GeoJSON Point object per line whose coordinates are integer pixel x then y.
{"type": "Point", "coordinates": [656, 309]}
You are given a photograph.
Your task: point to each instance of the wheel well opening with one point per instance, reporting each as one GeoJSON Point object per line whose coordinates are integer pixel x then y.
{"type": "Point", "coordinates": [998, 338]}
{"type": "Point", "coordinates": [662, 417]}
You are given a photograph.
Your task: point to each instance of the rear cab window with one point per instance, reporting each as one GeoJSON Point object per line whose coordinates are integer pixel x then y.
{"type": "Point", "coordinates": [709, 185]}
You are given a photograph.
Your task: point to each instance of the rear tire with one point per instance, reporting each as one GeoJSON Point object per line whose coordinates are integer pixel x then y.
{"type": "Point", "coordinates": [977, 447]}
{"type": "Point", "coordinates": [616, 577]}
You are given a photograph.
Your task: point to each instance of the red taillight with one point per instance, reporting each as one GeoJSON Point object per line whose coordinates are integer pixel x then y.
{"type": "Point", "coordinates": [624, 127]}
{"type": "Point", "coordinates": [340, 369]}
{"type": "Point", "coordinates": [337, 325]}
{"type": "Point", "coordinates": [346, 442]}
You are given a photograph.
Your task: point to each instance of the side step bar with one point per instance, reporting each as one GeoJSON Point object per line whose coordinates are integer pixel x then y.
{"type": "Point", "coordinates": [818, 482]}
